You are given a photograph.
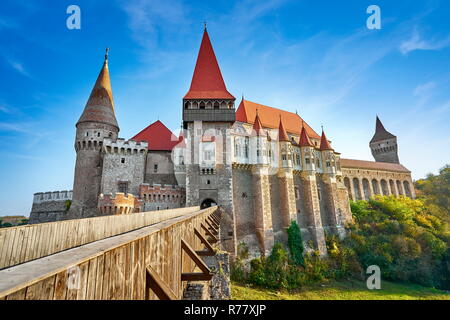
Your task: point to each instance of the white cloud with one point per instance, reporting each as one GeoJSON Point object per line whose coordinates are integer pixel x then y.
{"type": "Point", "coordinates": [416, 42]}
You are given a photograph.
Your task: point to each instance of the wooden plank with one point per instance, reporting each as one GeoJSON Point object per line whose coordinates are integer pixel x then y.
{"type": "Point", "coordinates": [7, 255]}
{"type": "Point", "coordinates": [23, 250]}
{"type": "Point", "coordinates": [48, 286]}
{"type": "Point", "coordinates": [99, 277]}
{"type": "Point", "coordinates": [213, 238]}
{"type": "Point", "coordinates": [127, 290]}
{"type": "Point", "coordinates": [209, 251]}
{"type": "Point", "coordinates": [158, 286]}
{"type": "Point", "coordinates": [73, 283]}
{"type": "Point", "coordinates": [141, 272]}
{"type": "Point", "coordinates": [84, 273]}
{"type": "Point", "coordinates": [91, 282]}
{"type": "Point", "coordinates": [196, 276]}
{"type": "Point", "coordinates": [60, 286]}
{"type": "Point", "coordinates": [18, 295]}
{"type": "Point", "coordinates": [106, 275]}
{"type": "Point", "coordinates": [134, 256]}
{"type": "Point", "coordinates": [33, 291]}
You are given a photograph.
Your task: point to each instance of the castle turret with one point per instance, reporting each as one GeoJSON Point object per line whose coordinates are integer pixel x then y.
{"type": "Point", "coordinates": [258, 147]}
{"type": "Point", "coordinates": [384, 144]}
{"type": "Point", "coordinates": [310, 192]}
{"type": "Point", "coordinates": [97, 121]}
{"type": "Point", "coordinates": [208, 114]}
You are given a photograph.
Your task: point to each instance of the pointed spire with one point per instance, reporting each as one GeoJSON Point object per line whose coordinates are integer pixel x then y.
{"type": "Point", "coordinates": [100, 105]}
{"type": "Point", "coordinates": [257, 126]}
{"type": "Point", "coordinates": [324, 143]}
{"type": "Point", "coordinates": [282, 135]}
{"type": "Point", "coordinates": [304, 139]}
{"type": "Point", "coordinates": [207, 81]}
{"type": "Point", "coordinates": [380, 132]}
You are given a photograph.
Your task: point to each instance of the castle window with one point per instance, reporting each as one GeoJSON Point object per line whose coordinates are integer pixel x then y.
{"type": "Point", "coordinates": [123, 186]}
{"type": "Point", "coordinates": [244, 195]}
{"type": "Point", "coordinates": [328, 164]}
{"type": "Point", "coordinates": [208, 182]}
{"type": "Point", "coordinates": [98, 134]}
{"type": "Point", "coordinates": [318, 163]}
{"type": "Point", "coordinates": [298, 158]}
{"type": "Point", "coordinates": [283, 156]}
{"type": "Point", "coordinates": [122, 160]}
{"type": "Point", "coordinates": [307, 161]}
{"type": "Point", "coordinates": [155, 168]}
{"type": "Point", "coordinates": [202, 105]}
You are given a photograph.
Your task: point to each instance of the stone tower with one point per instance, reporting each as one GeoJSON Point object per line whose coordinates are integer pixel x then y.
{"type": "Point", "coordinates": [384, 145]}
{"type": "Point", "coordinates": [98, 121]}
{"type": "Point", "coordinates": [208, 114]}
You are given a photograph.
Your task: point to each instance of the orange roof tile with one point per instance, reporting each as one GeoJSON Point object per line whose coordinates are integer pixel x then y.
{"type": "Point", "coordinates": [363, 164]}
{"type": "Point", "coordinates": [207, 81]}
{"type": "Point", "coordinates": [269, 117]}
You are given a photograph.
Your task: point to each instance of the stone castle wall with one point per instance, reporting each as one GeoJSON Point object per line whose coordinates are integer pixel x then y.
{"type": "Point", "coordinates": [50, 206]}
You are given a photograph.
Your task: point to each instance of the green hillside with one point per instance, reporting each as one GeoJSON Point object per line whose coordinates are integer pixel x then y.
{"type": "Point", "coordinates": [345, 290]}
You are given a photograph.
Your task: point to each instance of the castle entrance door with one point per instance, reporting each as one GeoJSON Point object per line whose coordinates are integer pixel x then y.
{"type": "Point", "coordinates": [207, 203]}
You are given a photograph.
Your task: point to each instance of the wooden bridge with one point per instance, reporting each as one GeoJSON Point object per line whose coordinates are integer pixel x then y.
{"type": "Point", "coordinates": [149, 255]}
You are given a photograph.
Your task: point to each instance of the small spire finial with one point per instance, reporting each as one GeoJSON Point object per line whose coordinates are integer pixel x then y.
{"type": "Point", "coordinates": [321, 127]}
{"type": "Point", "coordinates": [204, 25]}
{"type": "Point", "coordinates": [106, 54]}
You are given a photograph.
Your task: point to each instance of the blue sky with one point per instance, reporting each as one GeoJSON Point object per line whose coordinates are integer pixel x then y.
{"type": "Point", "coordinates": [316, 57]}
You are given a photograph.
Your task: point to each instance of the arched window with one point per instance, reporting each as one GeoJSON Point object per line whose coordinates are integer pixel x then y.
{"type": "Point", "coordinates": [357, 189]}
{"type": "Point", "coordinates": [407, 189]}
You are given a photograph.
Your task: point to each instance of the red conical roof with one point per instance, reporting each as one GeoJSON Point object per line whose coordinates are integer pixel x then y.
{"type": "Point", "coordinates": [324, 143]}
{"type": "Point", "coordinates": [100, 105]}
{"type": "Point", "coordinates": [304, 139]}
{"type": "Point", "coordinates": [257, 126]}
{"type": "Point", "coordinates": [207, 81]}
{"type": "Point", "coordinates": [282, 135]}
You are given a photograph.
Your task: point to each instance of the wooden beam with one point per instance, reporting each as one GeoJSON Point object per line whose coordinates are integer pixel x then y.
{"type": "Point", "coordinates": [213, 230]}
{"type": "Point", "coordinates": [196, 277]}
{"type": "Point", "coordinates": [204, 275]}
{"type": "Point", "coordinates": [215, 224]}
{"type": "Point", "coordinates": [213, 238]}
{"type": "Point", "coordinates": [209, 249]}
{"type": "Point", "coordinates": [157, 285]}
{"type": "Point", "coordinates": [214, 218]}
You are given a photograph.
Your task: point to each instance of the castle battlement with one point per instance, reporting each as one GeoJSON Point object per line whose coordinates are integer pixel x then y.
{"type": "Point", "coordinates": [41, 197]}
{"type": "Point", "coordinates": [123, 146]}
{"type": "Point", "coordinates": [119, 203]}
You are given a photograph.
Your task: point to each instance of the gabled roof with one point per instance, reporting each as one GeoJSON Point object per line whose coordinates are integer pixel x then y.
{"type": "Point", "coordinates": [324, 143]}
{"type": "Point", "coordinates": [282, 135]}
{"type": "Point", "coordinates": [100, 105]}
{"type": "Point", "coordinates": [372, 165]}
{"type": "Point", "coordinates": [270, 117]}
{"type": "Point", "coordinates": [207, 81]}
{"type": "Point", "coordinates": [380, 132]}
{"type": "Point", "coordinates": [158, 136]}
{"type": "Point", "coordinates": [304, 140]}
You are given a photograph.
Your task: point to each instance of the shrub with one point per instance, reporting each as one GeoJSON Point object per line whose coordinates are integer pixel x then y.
{"type": "Point", "coordinates": [295, 243]}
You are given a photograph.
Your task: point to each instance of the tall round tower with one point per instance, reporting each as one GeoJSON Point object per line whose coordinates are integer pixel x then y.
{"type": "Point", "coordinates": [384, 144]}
{"type": "Point", "coordinates": [97, 121]}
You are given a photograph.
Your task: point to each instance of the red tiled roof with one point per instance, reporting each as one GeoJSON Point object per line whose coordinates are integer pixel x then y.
{"type": "Point", "coordinates": [282, 135]}
{"type": "Point", "coordinates": [324, 143]}
{"type": "Point", "coordinates": [100, 105]}
{"type": "Point", "coordinates": [363, 164]}
{"type": "Point", "coordinates": [270, 117]}
{"type": "Point", "coordinates": [304, 140]}
{"type": "Point", "coordinates": [159, 138]}
{"type": "Point", "coordinates": [207, 81]}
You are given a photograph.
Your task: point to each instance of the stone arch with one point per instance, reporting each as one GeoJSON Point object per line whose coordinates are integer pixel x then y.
{"type": "Point", "coordinates": [187, 105]}
{"type": "Point", "coordinates": [357, 189]}
{"type": "Point", "coordinates": [407, 189]}
{"type": "Point", "coordinates": [208, 202]}
{"type": "Point", "coordinates": [392, 186]}
{"type": "Point", "coordinates": [376, 186]}
{"type": "Point", "coordinates": [366, 189]}
{"type": "Point", "coordinates": [202, 105]}
{"type": "Point", "coordinates": [399, 187]}
{"type": "Point", "coordinates": [384, 187]}
{"type": "Point", "coordinates": [216, 105]}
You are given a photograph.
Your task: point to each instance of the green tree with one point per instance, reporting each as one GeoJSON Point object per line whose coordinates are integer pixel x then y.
{"type": "Point", "coordinates": [295, 243]}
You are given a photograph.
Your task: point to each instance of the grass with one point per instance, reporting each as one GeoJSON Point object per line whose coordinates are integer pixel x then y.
{"type": "Point", "coordinates": [345, 290]}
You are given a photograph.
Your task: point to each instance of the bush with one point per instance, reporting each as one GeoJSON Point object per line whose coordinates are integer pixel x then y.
{"type": "Point", "coordinates": [295, 243]}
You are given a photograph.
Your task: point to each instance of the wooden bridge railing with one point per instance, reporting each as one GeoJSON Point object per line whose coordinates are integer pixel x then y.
{"type": "Point", "coordinates": [149, 263]}
{"type": "Point", "coordinates": [29, 242]}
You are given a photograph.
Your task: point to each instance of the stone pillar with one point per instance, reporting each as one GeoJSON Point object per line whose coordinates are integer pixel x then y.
{"type": "Point", "coordinates": [262, 207]}
{"type": "Point", "coordinates": [371, 191]}
{"type": "Point", "coordinates": [352, 189]}
{"type": "Point", "coordinates": [335, 218]}
{"type": "Point", "coordinates": [312, 208]}
{"type": "Point", "coordinates": [287, 196]}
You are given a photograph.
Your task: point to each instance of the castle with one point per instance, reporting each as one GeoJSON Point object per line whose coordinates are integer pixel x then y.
{"type": "Point", "coordinates": [263, 166]}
